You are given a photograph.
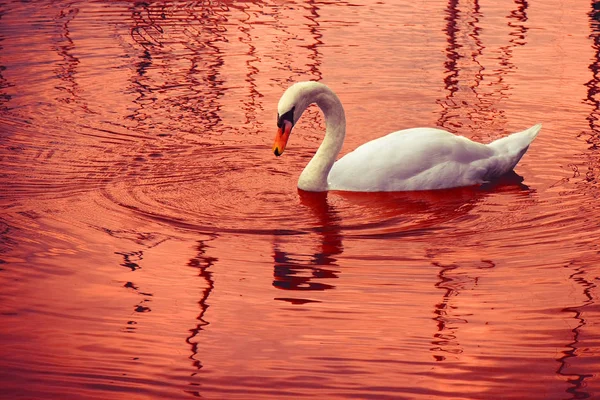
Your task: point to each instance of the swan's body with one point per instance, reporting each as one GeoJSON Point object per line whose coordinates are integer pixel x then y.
{"type": "Point", "coordinates": [410, 159]}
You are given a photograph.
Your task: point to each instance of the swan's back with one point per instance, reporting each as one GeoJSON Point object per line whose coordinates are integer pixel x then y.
{"type": "Point", "coordinates": [427, 159]}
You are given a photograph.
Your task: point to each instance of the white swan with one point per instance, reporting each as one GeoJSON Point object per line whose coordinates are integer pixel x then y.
{"type": "Point", "coordinates": [410, 159]}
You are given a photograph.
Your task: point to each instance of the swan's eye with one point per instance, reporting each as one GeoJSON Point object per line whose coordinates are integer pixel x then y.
{"type": "Point", "coordinates": [288, 116]}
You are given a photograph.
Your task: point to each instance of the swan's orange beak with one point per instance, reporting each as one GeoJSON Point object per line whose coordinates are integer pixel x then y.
{"type": "Point", "coordinates": [283, 134]}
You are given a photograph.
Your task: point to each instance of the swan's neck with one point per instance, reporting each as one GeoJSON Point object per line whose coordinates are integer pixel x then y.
{"type": "Point", "coordinates": [314, 176]}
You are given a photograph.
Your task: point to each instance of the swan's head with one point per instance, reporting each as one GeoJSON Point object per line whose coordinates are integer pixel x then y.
{"type": "Point", "coordinates": [285, 123]}
{"type": "Point", "coordinates": [291, 105]}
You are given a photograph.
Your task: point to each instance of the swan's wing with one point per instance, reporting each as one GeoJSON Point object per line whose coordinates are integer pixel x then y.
{"type": "Point", "coordinates": [412, 159]}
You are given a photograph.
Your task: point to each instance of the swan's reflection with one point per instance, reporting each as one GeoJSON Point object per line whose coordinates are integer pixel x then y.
{"type": "Point", "coordinates": [398, 214]}
{"type": "Point", "coordinates": [293, 271]}
{"type": "Point", "coordinates": [381, 215]}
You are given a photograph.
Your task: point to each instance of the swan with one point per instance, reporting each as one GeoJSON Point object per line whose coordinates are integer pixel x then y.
{"type": "Point", "coordinates": [406, 160]}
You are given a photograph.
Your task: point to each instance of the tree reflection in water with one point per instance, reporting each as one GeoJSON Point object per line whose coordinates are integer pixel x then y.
{"type": "Point", "coordinates": [447, 314]}
{"type": "Point", "coordinates": [469, 102]}
{"type": "Point", "coordinates": [575, 348]}
{"type": "Point", "coordinates": [202, 262]}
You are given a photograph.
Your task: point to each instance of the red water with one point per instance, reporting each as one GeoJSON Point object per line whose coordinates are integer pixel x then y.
{"type": "Point", "coordinates": [151, 245]}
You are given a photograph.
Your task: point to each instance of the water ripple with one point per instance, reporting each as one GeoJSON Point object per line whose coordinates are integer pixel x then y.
{"type": "Point", "coordinates": [152, 245]}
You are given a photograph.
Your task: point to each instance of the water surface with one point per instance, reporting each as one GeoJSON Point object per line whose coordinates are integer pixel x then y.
{"type": "Point", "coordinates": [151, 245]}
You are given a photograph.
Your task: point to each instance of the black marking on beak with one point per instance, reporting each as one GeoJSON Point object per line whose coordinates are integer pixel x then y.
{"type": "Point", "coordinates": [288, 116]}
{"type": "Point", "coordinates": [277, 153]}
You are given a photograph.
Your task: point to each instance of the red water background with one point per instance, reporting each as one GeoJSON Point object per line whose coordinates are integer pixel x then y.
{"type": "Point", "coordinates": [151, 245]}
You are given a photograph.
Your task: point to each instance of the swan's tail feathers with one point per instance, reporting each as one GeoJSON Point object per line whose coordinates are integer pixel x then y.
{"type": "Point", "coordinates": [511, 148]}
{"type": "Point", "coordinates": [516, 142]}
{"type": "Point", "coordinates": [515, 145]}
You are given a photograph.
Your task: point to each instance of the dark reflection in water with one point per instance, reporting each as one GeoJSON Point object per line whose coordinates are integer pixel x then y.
{"type": "Point", "coordinates": [593, 86]}
{"type": "Point", "coordinates": [158, 32]}
{"type": "Point", "coordinates": [459, 78]}
{"type": "Point", "coordinates": [67, 69]}
{"type": "Point", "coordinates": [447, 314]}
{"type": "Point", "coordinates": [445, 338]}
{"type": "Point", "coordinates": [467, 102]}
{"type": "Point", "coordinates": [6, 241]}
{"type": "Point", "coordinates": [420, 211]}
{"type": "Point", "coordinates": [568, 361]}
{"type": "Point", "coordinates": [517, 33]}
{"type": "Point", "coordinates": [593, 99]}
{"type": "Point", "coordinates": [132, 261]}
{"type": "Point", "coordinates": [517, 19]}
{"type": "Point", "coordinates": [314, 29]}
{"type": "Point", "coordinates": [202, 262]}
{"type": "Point", "coordinates": [4, 97]}
{"type": "Point", "coordinates": [128, 259]}
{"type": "Point", "coordinates": [252, 103]}
{"type": "Point", "coordinates": [192, 76]}
{"type": "Point", "coordinates": [141, 306]}
{"type": "Point", "coordinates": [291, 272]}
